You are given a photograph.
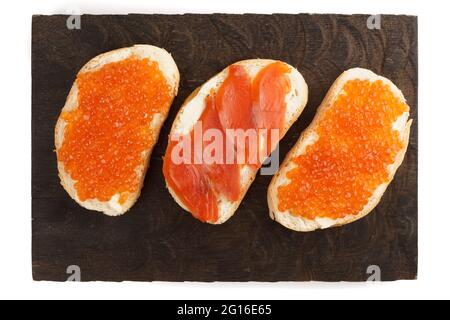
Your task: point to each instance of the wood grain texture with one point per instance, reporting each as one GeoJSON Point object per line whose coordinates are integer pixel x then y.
{"type": "Point", "coordinates": [156, 240]}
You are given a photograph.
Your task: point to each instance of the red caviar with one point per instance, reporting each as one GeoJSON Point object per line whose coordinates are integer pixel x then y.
{"type": "Point", "coordinates": [105, 137]}
{"type": "Point", "coordinates": [337, 174]}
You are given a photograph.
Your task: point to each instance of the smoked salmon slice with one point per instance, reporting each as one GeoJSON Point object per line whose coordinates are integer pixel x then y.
{"type": "Point", "coordinates": [269, 93]}
{"type": "Point", "coordinates": [234, 100]}
{"type": "Point", "coordinates": [198, 184]}
{"type": "Point", "coordinates": [224, 177]}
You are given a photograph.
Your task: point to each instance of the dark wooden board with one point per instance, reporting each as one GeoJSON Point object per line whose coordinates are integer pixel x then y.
{"type": "Point", "coordinates": [156, 240]}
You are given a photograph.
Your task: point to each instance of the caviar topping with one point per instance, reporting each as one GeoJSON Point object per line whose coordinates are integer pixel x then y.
{"type": "Point", "coordinates": [106, 136]}
{"type": "Point", "coordinates": [356, 143]}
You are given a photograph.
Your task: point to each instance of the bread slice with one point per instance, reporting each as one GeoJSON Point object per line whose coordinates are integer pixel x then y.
{"type": "Point", "coordinates": [309, 136]}
{"type": "Point", "coordinates": [193, 108]}
{"type": "Point", "coordinates": [170, 71]}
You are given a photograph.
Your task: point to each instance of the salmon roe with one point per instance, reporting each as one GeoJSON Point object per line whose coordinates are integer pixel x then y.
{"type": "Point", "coordinates": [337, 174]}
{"type": "Point", "coordinates": [106, 136]}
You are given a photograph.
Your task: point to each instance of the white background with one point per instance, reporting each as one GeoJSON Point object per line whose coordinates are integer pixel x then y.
{"type": "Point", "coordinates": [15, 161]}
